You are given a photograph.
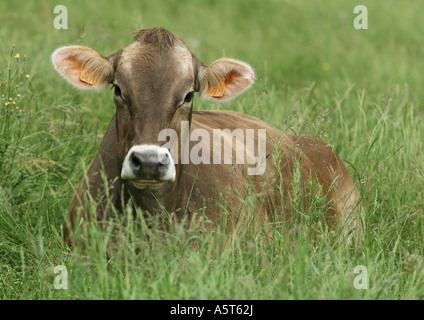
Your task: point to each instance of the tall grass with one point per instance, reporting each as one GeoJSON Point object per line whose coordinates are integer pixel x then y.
{"type": "Point", "coordinates": [361, 91]}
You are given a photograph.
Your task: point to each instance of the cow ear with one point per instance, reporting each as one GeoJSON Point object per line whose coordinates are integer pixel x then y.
{"type": "Point", "coordinates": [225, 79]}
{"type": "Point", "coordinates": [83, 67]}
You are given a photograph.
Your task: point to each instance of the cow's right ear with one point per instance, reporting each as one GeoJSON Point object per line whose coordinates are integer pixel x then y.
{"type": "Point", "coordinates": [83, 67]}
{"type": "Point", "coordinates": [225, 79]}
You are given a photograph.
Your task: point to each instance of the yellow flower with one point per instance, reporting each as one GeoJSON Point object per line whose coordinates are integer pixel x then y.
{"type": "Point", "coordinates": [325, 66]}
{"type": "Point", "coordinates": [27, 76]}
{"type": "Point", "coordinates": [17, 56]}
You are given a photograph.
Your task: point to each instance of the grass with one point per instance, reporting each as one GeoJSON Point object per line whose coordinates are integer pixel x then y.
{"type": "Point", "coordinates": [360, 90]}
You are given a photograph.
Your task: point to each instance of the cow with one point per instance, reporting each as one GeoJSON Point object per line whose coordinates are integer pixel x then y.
{"type": "Point", "coordinates": [154, 79]}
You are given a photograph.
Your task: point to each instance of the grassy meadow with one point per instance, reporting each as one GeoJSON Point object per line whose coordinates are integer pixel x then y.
{"type": "Point", "coordinates": [360, 90]}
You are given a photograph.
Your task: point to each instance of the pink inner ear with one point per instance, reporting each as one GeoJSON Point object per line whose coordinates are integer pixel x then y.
{"type": "Point", "coordinates": [237, 82]}
{"type": "Point", "coordinates": [71, 69]}
{"type": "Point", "coordinates": [238, 77]}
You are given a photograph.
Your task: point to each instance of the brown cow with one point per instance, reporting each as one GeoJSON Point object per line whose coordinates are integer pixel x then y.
{"type": "Point", "coordinates": [154, 80]}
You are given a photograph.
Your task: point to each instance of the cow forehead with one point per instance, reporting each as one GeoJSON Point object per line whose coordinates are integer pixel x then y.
{"type": "Point", "coordinates": [137, 56]}
{"type": "Point", "coordinates": [185, 59]}
{"type": "Point", "coordinates": [129, 55]}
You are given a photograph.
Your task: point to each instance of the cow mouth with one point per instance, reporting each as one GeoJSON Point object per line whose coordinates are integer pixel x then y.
{"type": "Point", "coordinates": [144, 183]}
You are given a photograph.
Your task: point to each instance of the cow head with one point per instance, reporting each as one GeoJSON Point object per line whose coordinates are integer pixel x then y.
{"type": "Point", "coordinates": [154, 80]}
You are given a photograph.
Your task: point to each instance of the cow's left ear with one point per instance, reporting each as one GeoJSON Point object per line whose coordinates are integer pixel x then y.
{"type": "Point", "coordinates": [225, 79]}
{"type": "Point", "coordinates": [83, 67]}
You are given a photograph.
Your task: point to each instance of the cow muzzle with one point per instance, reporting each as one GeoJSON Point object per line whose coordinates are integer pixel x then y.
{"type": "Point", "coordinates": [148, 166]}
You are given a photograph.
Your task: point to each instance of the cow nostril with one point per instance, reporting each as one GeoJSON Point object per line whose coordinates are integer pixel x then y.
{"type": "Point", "coordinates": [164, 160]}
{"type": "Point", "coordinates": [135, 161]}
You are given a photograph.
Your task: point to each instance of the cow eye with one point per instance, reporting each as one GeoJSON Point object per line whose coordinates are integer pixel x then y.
{"type": "Point", "coordinates": [189, 97]}
{"type": "Point", "coordinates": [117, 90]}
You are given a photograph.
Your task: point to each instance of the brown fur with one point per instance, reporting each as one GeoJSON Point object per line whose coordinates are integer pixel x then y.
{"type": "Point", "coordinates": [154, 74]}
{"type": "Point", "coordinates": [158, 37]}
